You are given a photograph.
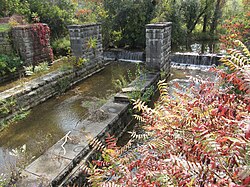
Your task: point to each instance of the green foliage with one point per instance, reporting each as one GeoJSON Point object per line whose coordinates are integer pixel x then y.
{"type": "Point", "coordinates": [40, 68]}
{"type": "Point", "coordinates": [6, 106]}
{"type": "Point", "coordinates": [128, 17]}
{"type": "Point", "coordinates": [10, 7]}
{"type": "Point", "coordinates": [4, 27]}
{"type": "Point", "coordinates": [92, 43]}
{"type": "Point", "coordinates": [62, 85]}
{"type": "Point", "coordinates": [61, 46]}
{"type": "Point", "coordinates": [56, 14]}
{"type": "Point", "coordinates": [9, 64]}
{"type": "Point", "coordinates": [70, 62]}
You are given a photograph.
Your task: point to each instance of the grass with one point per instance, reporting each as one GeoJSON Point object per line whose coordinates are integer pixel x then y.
{"type": "Point", "coordinates": [4, 27]}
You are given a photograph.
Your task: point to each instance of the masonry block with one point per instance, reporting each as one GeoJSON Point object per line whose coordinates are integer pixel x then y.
{"type": "Point", "coordinates": [158, 46]}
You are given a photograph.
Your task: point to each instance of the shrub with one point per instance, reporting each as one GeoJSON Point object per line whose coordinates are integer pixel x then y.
{"type": "Point", "coordinates": [9, 64]}
{"type": "Point", "coordinates": [200, 137]}
{"type": "Point", "coordinates": [61, 46]}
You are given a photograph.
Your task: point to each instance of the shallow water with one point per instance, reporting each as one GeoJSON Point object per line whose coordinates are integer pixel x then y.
{"type": "Point", "coordinates": [51, 120]}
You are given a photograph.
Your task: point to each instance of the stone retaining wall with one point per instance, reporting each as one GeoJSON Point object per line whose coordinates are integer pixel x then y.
{"type": "Point", "coordinates": [86, 41]}
{"type": "Point", "coordinates": [158, 46]}
{"type": "Point", "coordinates": [40, 89]}
{"type": "Point", "coordinates": [5, 43]}
{"type": "Point", "coordinates": [56, 167]}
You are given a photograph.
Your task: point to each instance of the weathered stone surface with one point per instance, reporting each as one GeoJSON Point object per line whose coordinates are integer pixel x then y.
{"type": "Point", "coordinates": [29, 46]}
{"type": "Point", "coordinates": [86, 41]}
{"type": "Point", "coordinates": [158, 46]}
{"type": "Point", "coordinates": [5, 43]}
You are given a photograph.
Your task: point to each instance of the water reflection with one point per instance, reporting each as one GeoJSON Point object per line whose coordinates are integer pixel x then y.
{"type": "Point", "coordinates": [201, 47]}
{"type": "Point", "coordinates": [50, 121]}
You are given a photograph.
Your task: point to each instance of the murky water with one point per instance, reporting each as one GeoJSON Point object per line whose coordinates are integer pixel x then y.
{"type": "Point", "coordinates": [51, 120]}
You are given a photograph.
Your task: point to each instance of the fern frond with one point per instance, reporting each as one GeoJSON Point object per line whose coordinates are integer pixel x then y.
{"type": "Point", "coordinates": [126, 147]}
{"type": "Point", "coordinates": [111, 142]}
{"type": "Point", "coordinates": [141, 106]}
{"type": "Point", "coordinates": [85, 169]}
{"type": "Point", "coordinates": [244, 48]}
{"type": "Point", "coordinates": [109, 184]}
{"type": "Point", "coordinates": [237, 58]}
{"type": "Point", "coordinates": [139, 118]}
{"type": "Point", "coordinates": [136, 136]}
{"type": "Point", "coordinates": [101, 163]}
{"type": "Point", "coordinates": [163, 88]}
{"type": "Point", "coordinates": [96, 144]}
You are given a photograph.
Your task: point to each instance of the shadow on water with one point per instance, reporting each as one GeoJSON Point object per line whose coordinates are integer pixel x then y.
{"type": "Point", "coordinates": [51, 120]}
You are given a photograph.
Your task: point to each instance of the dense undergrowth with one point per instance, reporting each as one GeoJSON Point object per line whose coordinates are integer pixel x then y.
{"type": "Point", "coordinates": [197, 138]}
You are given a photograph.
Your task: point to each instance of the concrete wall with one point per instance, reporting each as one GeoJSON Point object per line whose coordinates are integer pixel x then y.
{"type": "Point", "coordinates": [158, 46]}
{"type": "Point", "coordinates": [82, 38]}
{"type": "Point", "coordinates": [28, 45]}
{"type": "Point", "coordinates": [5, 43]}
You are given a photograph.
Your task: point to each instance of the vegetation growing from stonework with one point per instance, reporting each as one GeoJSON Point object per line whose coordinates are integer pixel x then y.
{"type": "Point", "coordinates": [200, 137]}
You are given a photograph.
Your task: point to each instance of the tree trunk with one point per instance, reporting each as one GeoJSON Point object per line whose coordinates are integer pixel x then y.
{"type": "Point", "coordinates": [204, 23]}
{"type": "Point", "coordinates": [217, 15]}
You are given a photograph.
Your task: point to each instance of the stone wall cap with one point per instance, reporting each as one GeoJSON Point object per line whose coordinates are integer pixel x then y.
{"type": "Point", "coordinates": [159, 25]}
{"type": "Point", "coordinates": [83, 25]}
{"type": "Point", "coordinates": [26, 26]}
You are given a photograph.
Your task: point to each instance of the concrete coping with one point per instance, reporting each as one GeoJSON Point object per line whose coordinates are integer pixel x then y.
{"type": "Point", "coordinates": [160, 25]}
{"type": "Point", "coordinates": [83, 25]}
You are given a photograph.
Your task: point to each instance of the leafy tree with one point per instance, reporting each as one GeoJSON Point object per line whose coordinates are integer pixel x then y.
{"type": "Point", "coordinates": [171, 10]}
{"type": "Point", "coordinates": [10, 7]}
{"type": "Point", "coordinates": [236, 27]}
{"type": "Point", "coordinates": [56, 14]}
{"type": "Point", "coordinates": [129, 17]}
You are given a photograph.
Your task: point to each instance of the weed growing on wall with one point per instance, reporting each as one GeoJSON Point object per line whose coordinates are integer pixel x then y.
{"type": "Point", "coordinates": [41, 68]}
{"type": "Point", "coordinates": [7, 105]}
{"type": "Point", "coordinates": [92, 43]}
{"type": "Point", "coordinates": [62, 85]}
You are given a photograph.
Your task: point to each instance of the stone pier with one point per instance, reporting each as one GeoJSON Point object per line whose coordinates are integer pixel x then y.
{"type": "Point", "coordinates": [158, 46]}
{"type": "Point", "coordinates": [86, 41]}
